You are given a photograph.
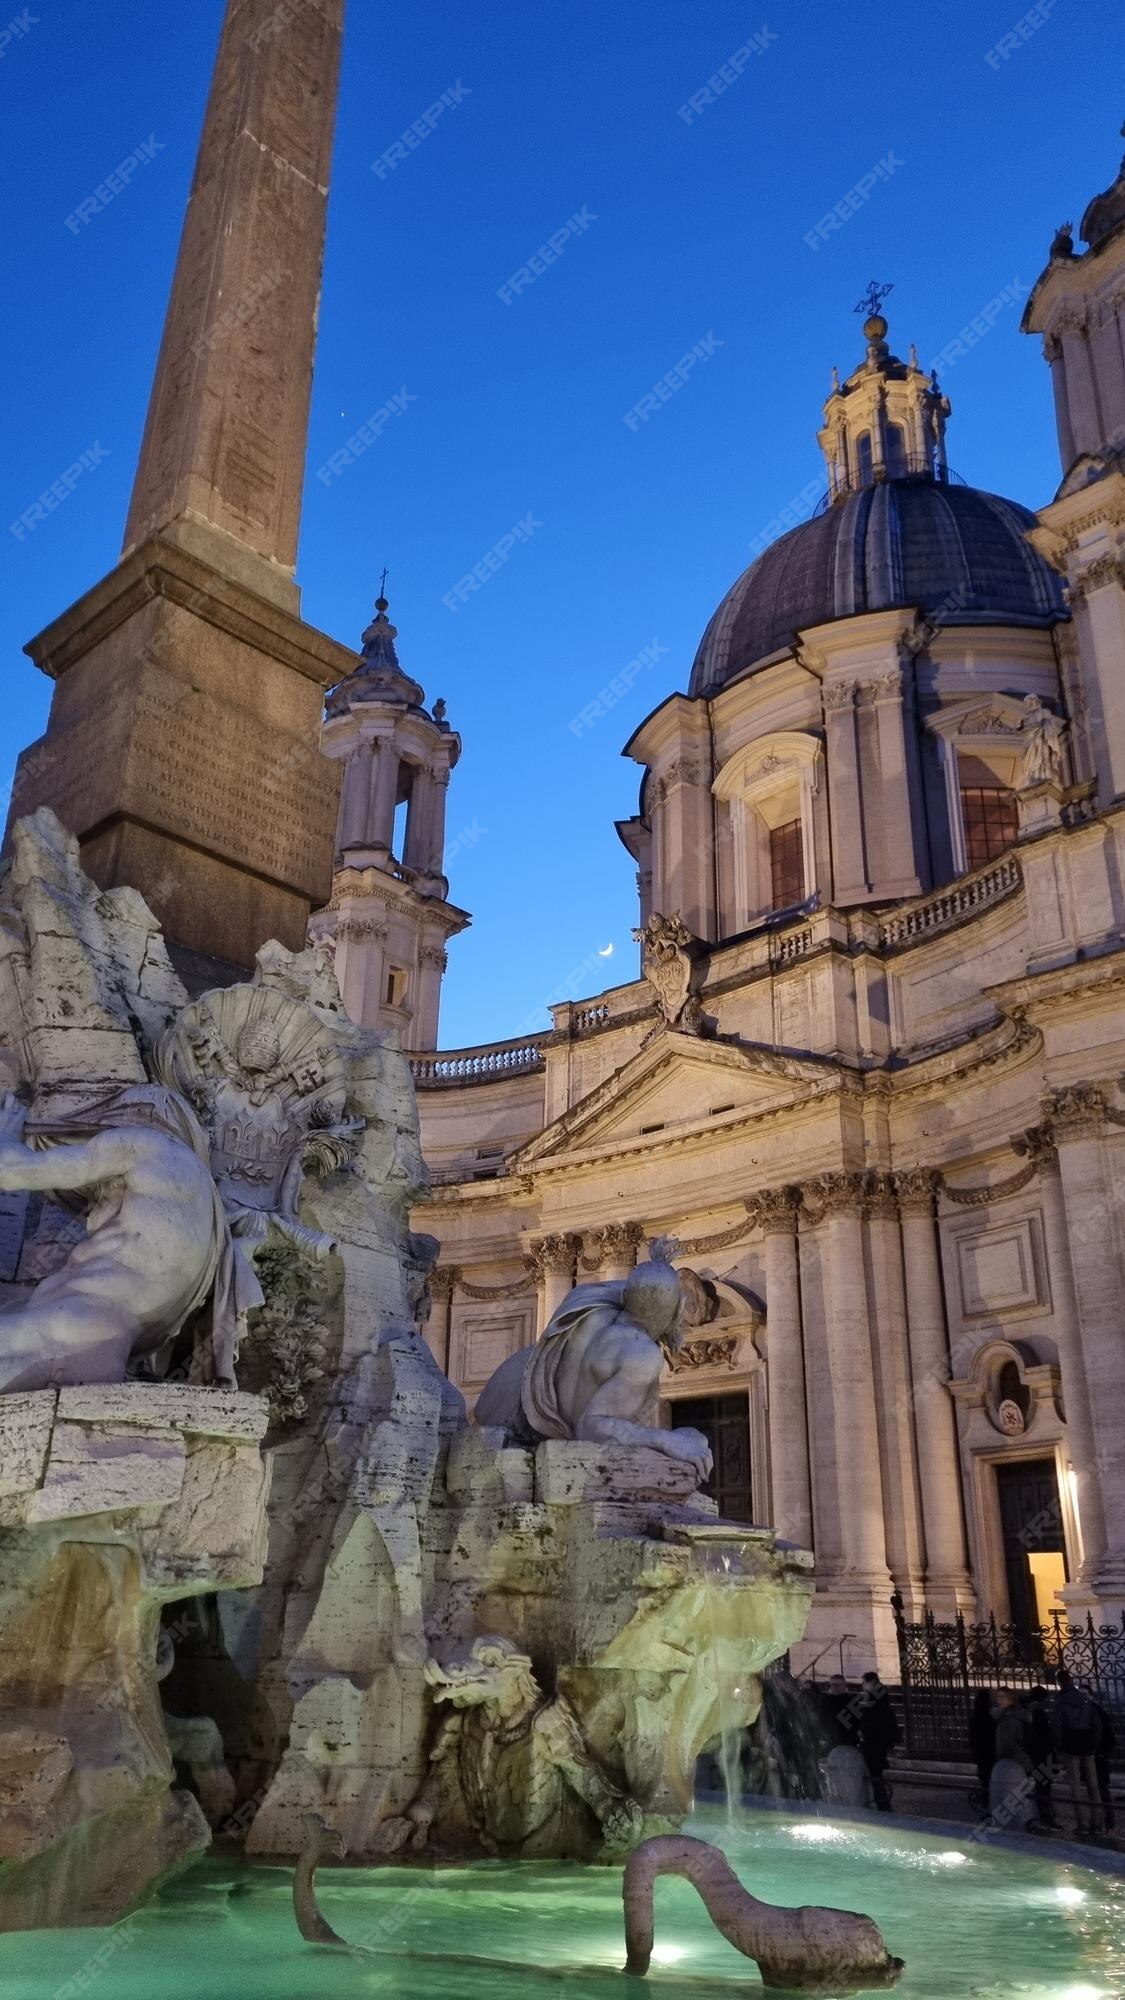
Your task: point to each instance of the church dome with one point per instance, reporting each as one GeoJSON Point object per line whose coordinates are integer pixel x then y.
{"type": "Point", "coordinates": [959, 554]}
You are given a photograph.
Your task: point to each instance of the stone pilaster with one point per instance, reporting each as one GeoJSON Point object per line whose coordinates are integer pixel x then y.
{"type": "Point", "coordinates": [898, 1449]}
{"type": "Point", "coordinates": [849, 860]}
{"type": "Point", "coordinates": [442, 1285]}
{"type": "Point", "coordinates": [1040, 1144]}
{"type": "Point", "coordinates": [947, 1579]}
{"type": "Point", "coordinates": [835, 1203]}
{"type": "Point", "coordinates": [775, 1209]}
{"type": "Point", "coordinates": [1077, 1116]}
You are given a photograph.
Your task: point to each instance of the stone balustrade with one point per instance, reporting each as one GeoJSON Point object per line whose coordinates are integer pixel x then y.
{"type": "Point", "coordinates": [962, 899]}
{"type": "Point", "coordinates": [478, 1065]}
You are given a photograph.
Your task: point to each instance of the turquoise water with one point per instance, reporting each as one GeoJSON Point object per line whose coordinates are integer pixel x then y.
{"type": "Point", "coordinates": [973, 1923]}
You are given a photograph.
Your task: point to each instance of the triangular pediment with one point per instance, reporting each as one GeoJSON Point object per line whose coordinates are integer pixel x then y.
{"type": "Point", "coordinates": [675, 1083]}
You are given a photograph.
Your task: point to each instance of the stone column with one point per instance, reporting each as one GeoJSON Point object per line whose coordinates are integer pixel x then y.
{"type": "Point", "coordinates": [849, 861]}
{"type": "Point", "coordinates": [419, 822]}
{"type": "Point", "coordinates": [355, 797]}
{"type": "Point", "coordinates": [835, 1202]}
{"type": "Point", "coordinates": [384, 793]}
{"type": "Point", "coordinates": [776, 1210]}
{"type": "Point", "coordinates": [1053, 353]}
{"type": "Point", "coordinates": [1081, 395]}
{"type": "Point", "coordinates": [552, 1261]}
{"type": "Point", "coordinates": [947, 1576]}
{"type": "Point", "coordinates": [1078, 1116]}
{"type": "Point", "coordinates": [1068, 1326]}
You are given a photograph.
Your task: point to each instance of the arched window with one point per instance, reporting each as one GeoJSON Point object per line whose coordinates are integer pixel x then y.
{"type": "Point", "coordinates": [863, 458]}
{"type": "Point", "coordinates": [896, 452]}
{"type": "Point", "coordinates": [770, 786]}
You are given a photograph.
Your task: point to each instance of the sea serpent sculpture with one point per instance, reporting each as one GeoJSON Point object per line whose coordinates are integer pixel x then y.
{"type": "Point", "coordinates": [807, 1950]}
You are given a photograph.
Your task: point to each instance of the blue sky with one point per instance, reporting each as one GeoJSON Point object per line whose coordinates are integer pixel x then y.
{"type": "Point", "coordinates": [693, 234]}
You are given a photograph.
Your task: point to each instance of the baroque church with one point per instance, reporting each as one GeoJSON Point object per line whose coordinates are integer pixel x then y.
{"type": "Point", "coordinates": [868, 1082]}
{"type": "Point", "coordinates": [871, 1080]}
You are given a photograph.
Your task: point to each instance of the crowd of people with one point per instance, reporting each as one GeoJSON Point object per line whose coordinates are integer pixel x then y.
{"type": "Point", "coordinates": [863, 1719]}
{"type": "Point", "coordinates": [1039, 1730]}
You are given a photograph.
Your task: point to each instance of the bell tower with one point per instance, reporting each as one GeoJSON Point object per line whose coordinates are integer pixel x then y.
{"type": "Point", "coordinates": [189, 664]}
{"type": "Point", "coordinates": [389, 918]}
{"type": "Point", "coordinates": [1078, 305]}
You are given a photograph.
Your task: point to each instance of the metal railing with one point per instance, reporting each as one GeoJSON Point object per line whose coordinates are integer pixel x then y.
{"type": "Point", "coordinates": [942, 1667]}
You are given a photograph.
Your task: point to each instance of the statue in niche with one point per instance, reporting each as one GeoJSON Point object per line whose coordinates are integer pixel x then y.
{"type": "Point", "coordinates": [667, 963]}
{"type": "Point", "coordinates": [268, 1085]}
{"type": "Point", "coordinates": [595, 1374]}
{"type": "Point", "coordinates": [157, 1247]}
{"type": "Point", "coordinates": [511, 1768]}
{"type": "Point", "coordinates": [1042, 732]}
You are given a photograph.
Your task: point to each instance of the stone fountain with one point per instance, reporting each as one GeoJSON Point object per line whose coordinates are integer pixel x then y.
{"type": "Point", "coordinates": [255, 1563]}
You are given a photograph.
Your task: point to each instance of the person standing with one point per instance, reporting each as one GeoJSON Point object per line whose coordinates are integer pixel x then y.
{"type": "Point", "coordinates": [1040, 1741]}
{"type": "Point", "coordinates": [1075, 1725]}
{"type": "Point", "coordinates": [982, 1740]}
{"type": "Point", "coordinates": [1103, 1752]}
{"type": "Point", "coordinates": [878, 1732]}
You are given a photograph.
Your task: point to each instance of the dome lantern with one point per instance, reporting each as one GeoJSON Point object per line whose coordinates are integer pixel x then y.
{"type": "Point", "coordinates": [887, 421]}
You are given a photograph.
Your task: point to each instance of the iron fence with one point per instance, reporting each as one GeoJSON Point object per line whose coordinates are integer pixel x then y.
{"type": "Point", "coordinates": [943, 1666]}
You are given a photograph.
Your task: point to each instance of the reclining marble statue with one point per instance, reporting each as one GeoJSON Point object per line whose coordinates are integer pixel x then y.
{"type": "Point", "coordinates": [157, 1247]}
{"type": "Point", "coordinates": [594, 1376]}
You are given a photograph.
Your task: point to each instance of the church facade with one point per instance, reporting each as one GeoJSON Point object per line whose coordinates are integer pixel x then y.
{"type": "Point", "coordinates": [870, 1079]}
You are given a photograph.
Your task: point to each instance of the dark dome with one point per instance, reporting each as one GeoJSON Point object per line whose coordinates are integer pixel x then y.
{"type": "Point", "coordinates": [951, 550]}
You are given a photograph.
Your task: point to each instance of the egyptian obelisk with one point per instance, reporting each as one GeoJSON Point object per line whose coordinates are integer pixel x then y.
{"type": "Point", "coordinates": [183, 739]}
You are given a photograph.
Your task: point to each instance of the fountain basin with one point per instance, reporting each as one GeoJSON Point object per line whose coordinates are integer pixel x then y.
{"type": "Point", "coordinates": [970, 1920]}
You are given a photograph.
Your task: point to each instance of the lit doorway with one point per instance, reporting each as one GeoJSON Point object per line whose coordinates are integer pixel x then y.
{"type": "Point", "coordinates": [1031, 1527]}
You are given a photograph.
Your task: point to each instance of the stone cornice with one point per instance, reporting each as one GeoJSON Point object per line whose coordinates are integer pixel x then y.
{"type": "Point", "coordinates": [160, 568]}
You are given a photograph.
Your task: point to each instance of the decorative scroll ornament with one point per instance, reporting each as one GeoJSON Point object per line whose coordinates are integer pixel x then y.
{"type": "Point", "coordinates": [267, 1083]}
{"type": "Point", "coordinates": [667, 963]}
{"type": "Point", "coordinates": [716, 1353]}
{"type": "Point", "coordinates": [980, 1197]}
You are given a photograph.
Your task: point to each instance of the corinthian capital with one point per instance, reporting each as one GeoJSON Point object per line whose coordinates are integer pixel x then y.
{"type": "Point", "coordinates": [552, 1253]}
{"type": "Point", "coordinates": [1078, 1112]}
{"type": "Point", "coordinates": [775, 1209]}
{"type": "Point", "coordinates": [915, 1189]}
{"type": "Point", "coordinates": [834, 1194]}
{"type": "Point", "coordinates": [616, 1243]}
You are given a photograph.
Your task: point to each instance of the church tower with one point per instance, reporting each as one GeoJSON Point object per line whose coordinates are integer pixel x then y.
{"type": "Point", "coordinates": [389, 918]}
{"type": "Point", "coordinates": [1078, 305]}
{"type": "Point", "coordinates": [209, 793]}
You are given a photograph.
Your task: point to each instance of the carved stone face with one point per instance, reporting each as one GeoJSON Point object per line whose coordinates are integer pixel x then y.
{"type": "Point", "coordinates": [258, 1047]}
{"type": "Point", "coordinates": [494, 1673]}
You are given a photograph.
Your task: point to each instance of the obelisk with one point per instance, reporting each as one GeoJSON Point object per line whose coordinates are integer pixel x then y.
{"type": "Point", "coordinates": [183, 739]}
